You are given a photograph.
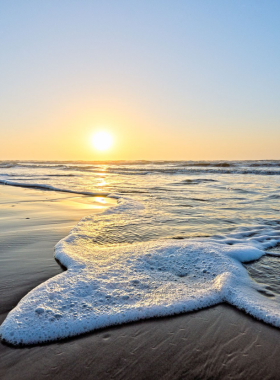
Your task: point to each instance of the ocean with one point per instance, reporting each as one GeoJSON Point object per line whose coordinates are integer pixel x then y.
{"type": "Point", "coordinates": [183, 235]}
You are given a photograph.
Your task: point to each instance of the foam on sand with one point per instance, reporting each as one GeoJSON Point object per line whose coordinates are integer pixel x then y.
{"type": "Point", "coordinates": [106, 286]}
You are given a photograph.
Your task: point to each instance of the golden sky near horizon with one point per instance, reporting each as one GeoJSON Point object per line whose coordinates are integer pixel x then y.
{"type": "Point", "coordinates": [134, 138]}
{"type": "Point", "coordinates": [135, 135]}
{"type": "Point", "coordinates": [191, 81]}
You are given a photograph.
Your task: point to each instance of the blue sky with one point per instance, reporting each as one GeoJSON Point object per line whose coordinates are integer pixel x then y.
{"type": "Point", "coordinates": [170, 79]}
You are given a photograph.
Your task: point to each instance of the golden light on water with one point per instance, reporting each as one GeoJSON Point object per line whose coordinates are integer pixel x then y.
{"type": "Point", "coordinates": [102, 140]}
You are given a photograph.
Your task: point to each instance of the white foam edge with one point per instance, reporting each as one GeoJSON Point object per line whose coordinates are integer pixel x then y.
{"type": "Point", "coordinates": [103, 274]}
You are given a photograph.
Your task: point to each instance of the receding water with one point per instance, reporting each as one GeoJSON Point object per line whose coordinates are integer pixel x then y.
{"type": "Point", "coordinates": [180, 199]}
{"type": "Point", "coordinates": [174, 243]}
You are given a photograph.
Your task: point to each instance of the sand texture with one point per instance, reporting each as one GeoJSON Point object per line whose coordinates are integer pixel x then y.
{"type": "Point", "coordinates": [216, 343]}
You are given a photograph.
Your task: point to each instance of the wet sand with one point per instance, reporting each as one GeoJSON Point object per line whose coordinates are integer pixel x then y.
{"type": "Point", "coordinates": [217, 343]}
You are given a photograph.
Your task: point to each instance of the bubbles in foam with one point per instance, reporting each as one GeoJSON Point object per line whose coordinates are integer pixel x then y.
{"type": "Point", "coordinates": [105, 286]}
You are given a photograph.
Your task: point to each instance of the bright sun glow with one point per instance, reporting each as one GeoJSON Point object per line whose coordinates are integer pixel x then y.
{"type": "Point", "coordinates": [102, 140]}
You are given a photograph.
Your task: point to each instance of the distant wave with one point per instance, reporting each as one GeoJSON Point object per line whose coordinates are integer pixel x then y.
{"type": "Point", "coordinates": [274, 196]}
{"type": "Point", "coordinates": [190, 170]}
{"type": "Point", "coordinates": [210, 163]}
{"type": "Point", "coordinates": [32, 176]}
{"type": "Point", "coordinates": [51, 188]}
{"type": "Point", "coordinates": [194, 181]}
{"type": "Point", "coordinates": [265, 164]}
{"type": "Point", "coordinates": [150, 167]}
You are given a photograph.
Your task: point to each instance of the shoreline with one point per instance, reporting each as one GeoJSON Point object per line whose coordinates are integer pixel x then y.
{"type": "Point", "coordinates": [219, 342]}
{"type": "Point", "coordinates": [31, 223]}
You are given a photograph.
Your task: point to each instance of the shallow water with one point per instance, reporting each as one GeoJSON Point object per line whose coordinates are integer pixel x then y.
{"type": "Point", "coordinates": [185, 210]}
{"type": "Point", "coordinates": [180, 199]}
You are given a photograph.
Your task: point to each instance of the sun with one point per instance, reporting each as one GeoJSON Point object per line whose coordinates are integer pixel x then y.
{"type": "Point", "coordinates": [102, 140]}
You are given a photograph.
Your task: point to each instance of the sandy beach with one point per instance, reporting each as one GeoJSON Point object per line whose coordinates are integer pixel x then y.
{"type": "Point", "coordinates": [216, 343]}
{"type": "Point", "coordinates": [139, 190]}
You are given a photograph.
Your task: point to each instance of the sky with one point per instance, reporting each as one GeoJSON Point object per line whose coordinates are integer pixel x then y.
{"type": "Point", "coordinates": [169, 80]}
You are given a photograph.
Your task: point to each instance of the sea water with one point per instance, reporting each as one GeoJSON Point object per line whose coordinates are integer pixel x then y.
{"type": "Point", "coordinates": [177, 240]}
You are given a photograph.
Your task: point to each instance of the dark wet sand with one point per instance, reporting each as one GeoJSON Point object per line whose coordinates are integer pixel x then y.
{"type": "Point", "coordinates": [217, 343]}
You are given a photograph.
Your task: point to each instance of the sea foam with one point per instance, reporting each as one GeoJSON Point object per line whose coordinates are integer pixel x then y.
{"type": "Point", "coordinates": [109, 285]}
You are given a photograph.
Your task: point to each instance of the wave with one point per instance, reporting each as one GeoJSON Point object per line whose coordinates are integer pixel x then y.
{"type": "Point", "coordinates": [190, 170]}
{"type": "Point", "coordinates": [37, 176]}
{"type": "Point", "coordinates": [210, 163]}
{"type": "Point", "coordinates": [274, 196]}
{"type": "Point", "coordinates": [153, 167]}
{"type": "Point", "coordinates": [113, 285]}
{"type": "Point", "coordinates": [51, 188]}
{"type": "Point", "coordinates": [194, 181]}
{"type": "Point", "coordinates": [265, 164]}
